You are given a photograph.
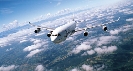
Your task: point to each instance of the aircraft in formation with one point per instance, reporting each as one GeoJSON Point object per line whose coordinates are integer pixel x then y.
{"type": "Point", "coordinates": [61, 33]}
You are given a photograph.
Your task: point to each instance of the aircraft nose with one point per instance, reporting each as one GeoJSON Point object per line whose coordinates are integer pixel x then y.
{"type": "Point", "coordinates": [53, 38]}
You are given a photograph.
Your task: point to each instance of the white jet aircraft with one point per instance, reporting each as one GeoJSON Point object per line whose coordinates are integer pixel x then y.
{"type": "Point", "coordinates": [63, 32]}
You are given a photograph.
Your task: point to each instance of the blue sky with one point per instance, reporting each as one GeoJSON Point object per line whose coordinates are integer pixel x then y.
{"type": "Point", "coordinates": [26, 10]}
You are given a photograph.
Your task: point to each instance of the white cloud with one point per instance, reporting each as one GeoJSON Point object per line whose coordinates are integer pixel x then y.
{"type": "Point", "coordinates": [65, 11]}
{"type": "Point", "coordinates": [113, 32]}
{"type": "Point", "coordinates": [105, 49]}
{"type": "Point", "coordinates": [8, 68]}
{"type": "Point", "coordinates": [22, 41]}
{"type": "Point", "coordinates": [32, 47]}
{"type": "Point", "coordinates": [130, 19]}
{"type": "Point", "coordinates": [4, 42]}
{"type": "Point", "coordinates": [91, 52]}
{"type": "Point", "coordinates": [126, 28]}
{"type": "Point", "coordinates": [9, 49]}
{"type": "Point", "coordinates": [40, 68]}
{"type": "Point", "coordinates": [86, 46]}
{"type": "Point", "coordinates": [11, 25]}
{"type": "Point", "coordinates": [84, 54]}
{"type": "Point", "coordinates": [122, 29]}
{"type": "Point", "coordinates": [87, 68]}
{"type": "Point", "coordinates": [34, 52]}
{"type": "Point", "coordinates": [48, 14]}
{"type": "Point", "coordinates": [81, 47]}
{"type": "Point", "coordinates": [18, 36]}
{"type": "Point", "coordinates": [128, 12]}
{"type": "Point", "coordinates": [36, 41]}
{"type": "Point", "coordinates": [105, 40]}
{"type": "Point", "coordinates": [75, 69]}
{"type": "Point", "coordinates": [37, 44]}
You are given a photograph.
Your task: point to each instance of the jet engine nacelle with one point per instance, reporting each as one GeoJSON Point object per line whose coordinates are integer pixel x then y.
{"type": "Point", "coordinates": [38, 30]}
{"type": "Point", "coordinates": [85, 33]}
{"type": "Point", "coordinates": [105, 28]}
{"type": "Point", "coordinates": [49, 34]}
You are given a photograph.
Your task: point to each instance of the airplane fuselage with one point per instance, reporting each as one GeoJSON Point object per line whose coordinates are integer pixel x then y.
{"type": "Point", "coordinates": [61, 33]}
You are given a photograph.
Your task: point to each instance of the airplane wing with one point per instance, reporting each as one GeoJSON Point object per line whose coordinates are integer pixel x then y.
{"type": "Point", "coordinates": [46, 28]}
{"type": "Point", "coordinates": [101, 25]}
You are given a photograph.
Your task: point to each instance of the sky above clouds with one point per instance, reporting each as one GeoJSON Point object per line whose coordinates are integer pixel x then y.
{"type": "Point", "coordinates": [27, 10]}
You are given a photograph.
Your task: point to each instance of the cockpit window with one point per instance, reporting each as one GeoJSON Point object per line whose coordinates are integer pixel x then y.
{"type": "Point", "coordinates": [56, 35]}
{"type": "Point", "coordinates": [59, 35]}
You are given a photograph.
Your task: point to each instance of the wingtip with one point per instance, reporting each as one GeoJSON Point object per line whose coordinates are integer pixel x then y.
{"type": "Point", "coordinates": [118, 18]}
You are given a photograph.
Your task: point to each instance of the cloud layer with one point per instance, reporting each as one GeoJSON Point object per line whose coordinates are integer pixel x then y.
{"type": "Point", "coordinates": [105, 49]}
{"type": "Point", "coordinates": [89, 46]}
{"type": "Point", "coordinates": [81, 47]}
{"type": "Point", "coordinates": [8, 68]}
{"type": "Point", "coordinates": [40, 68]}
{"type": "Point", "coordinates": [85, 67]}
